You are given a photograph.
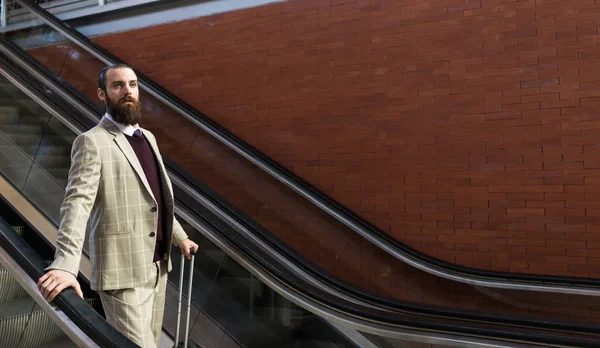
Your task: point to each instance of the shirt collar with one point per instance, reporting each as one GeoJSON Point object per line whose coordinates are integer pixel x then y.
{"type": "Point", "coordinates": [125, 129]}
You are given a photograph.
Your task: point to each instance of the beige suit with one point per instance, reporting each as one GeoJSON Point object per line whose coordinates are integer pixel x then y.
{"type": "Point", "coordinates": [107, 185]}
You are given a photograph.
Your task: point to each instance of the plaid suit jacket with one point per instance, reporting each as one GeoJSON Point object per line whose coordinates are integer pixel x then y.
{"type": "Point", "coordinates": [108, 193]}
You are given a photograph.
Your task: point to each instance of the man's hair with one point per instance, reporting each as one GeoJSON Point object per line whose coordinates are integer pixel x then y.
{"type": "Point", "coordinates": [103, 72]}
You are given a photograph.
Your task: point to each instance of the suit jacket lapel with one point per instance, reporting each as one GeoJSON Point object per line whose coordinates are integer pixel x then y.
{"type": "Point", "coordinates": [127, 150]}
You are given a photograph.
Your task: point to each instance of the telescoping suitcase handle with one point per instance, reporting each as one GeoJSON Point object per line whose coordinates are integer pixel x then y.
{"type": "Point", "coordinates": [189, 299]}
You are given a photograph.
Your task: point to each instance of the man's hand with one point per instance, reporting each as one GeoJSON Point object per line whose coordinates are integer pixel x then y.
{"type": "Point", "coordinates": [185, 247]}
{"type": "Point", "coordinates": [55, 281]}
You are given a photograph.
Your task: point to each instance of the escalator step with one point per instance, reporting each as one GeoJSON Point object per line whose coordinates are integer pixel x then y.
{"type": "Point", "coordinates": [23, 134]}
{"type": "Point", "coordinates": [22, 103]}
{"type": "Point", "coordinates": [23, 314]}
{"type": "Point", "coordinates": [61, 343]}
{"type": "Point", "coordinates": [8, 114]}
{"type": "Point", "coordinates": [13, 155]}
{"type": "Point", "coordinates": [11, 289]}
{"type": "Point", "coordinates": [16, 307]}
{"type": "Point", "coordinates": [28, 329]}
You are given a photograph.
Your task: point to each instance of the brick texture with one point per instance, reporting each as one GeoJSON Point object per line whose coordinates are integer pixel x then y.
{"type": "Point", "coordinates": [467, 129]}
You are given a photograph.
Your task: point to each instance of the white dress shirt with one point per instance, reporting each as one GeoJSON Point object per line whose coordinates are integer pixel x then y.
{"type": "Point", "coordinates": [124, 128]}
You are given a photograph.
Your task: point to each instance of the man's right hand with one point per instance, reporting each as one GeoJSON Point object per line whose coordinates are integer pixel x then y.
{"type": "Point", "coordinates": [55, 281]}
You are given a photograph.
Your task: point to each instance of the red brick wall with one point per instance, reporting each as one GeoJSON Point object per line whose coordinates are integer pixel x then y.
{"type": "Point", "coordinates": [466, 129]}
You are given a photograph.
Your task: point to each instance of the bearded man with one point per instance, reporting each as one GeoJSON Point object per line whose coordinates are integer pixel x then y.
{"type": "Point", "coordinates": [118, 182]}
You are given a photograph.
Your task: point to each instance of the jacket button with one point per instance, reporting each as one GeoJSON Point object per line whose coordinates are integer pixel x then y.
{"type": "Point", "coordinates": [153, 209]}
{"type": "Point", "coordinates": [152, 234]}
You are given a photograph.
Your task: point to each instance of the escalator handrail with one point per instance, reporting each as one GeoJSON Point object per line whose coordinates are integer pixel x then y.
{"type": "Point", "coordinates": [82, 314]}
{"type": "Point", "coordinates": [377, 315]}
{"type": "Point", "coordinates": [324, 202]}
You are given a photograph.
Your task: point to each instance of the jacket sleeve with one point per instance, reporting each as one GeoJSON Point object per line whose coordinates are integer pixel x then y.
{"type": "Point", "coordinates": [179, 234]}
{"type": "Point", "coordinates": [80, 195]}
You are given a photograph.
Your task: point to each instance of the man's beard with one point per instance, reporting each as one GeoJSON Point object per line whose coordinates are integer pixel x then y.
{"type": "Point", "coordinates": [129, 114]}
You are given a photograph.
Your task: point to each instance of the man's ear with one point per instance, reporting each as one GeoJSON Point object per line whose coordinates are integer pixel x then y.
{"type": "Point", "coordinates": [101, 94]}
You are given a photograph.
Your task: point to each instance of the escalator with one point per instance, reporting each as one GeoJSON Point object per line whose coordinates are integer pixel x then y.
{"type": "Point", "coordinates": [320, 229]}
{"type": "Point", "coordinates": [371, 285]}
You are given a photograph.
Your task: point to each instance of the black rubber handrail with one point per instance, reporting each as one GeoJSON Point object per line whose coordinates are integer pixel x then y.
{"type": "Point", "coordinates": [267, 262]}
{"type": "Point", "coordinates": [334, 205]}
{"type": "Point", "coordinates": [81, 313]}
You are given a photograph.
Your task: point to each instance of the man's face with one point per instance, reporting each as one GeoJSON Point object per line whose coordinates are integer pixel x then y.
{"type": "Point", "coordinates": [121, 96]}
